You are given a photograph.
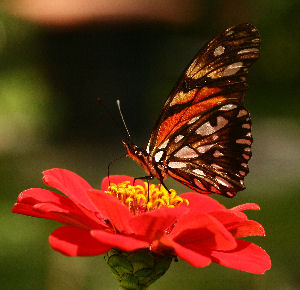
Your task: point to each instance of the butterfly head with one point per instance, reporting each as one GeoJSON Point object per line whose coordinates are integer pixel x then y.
{"type": "Point", "coordinates": [133, 150]}
{"type": "Point", "coordinates": [137, 154]}
{"type": "Point", "coordinates": [145, 160]}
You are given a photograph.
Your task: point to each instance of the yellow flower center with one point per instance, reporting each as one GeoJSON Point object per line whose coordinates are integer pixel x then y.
{"type": "Point", "coordinates": [144, 198]}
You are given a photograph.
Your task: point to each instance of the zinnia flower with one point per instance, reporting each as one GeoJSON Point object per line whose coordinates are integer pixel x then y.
{"type": "Point", "coordinates": [126, 216]}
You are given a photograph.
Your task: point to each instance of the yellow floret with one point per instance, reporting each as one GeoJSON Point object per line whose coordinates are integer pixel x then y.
{"type": "Point", "coordinates": [144, 198]}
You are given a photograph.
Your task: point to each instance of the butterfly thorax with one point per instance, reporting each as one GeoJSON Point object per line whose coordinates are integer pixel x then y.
{"type": "Point", "coordinates": [140, 155]}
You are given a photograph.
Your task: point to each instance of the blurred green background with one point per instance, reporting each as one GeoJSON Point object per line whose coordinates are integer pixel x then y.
{"type": "Point", "coordinates": [56, 58]}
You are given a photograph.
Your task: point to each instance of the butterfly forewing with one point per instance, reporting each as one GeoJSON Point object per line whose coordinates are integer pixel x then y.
{"type": "Point", "coordinates": [216, 76]}
{"type": "Point", "coordinates": [203, 134]}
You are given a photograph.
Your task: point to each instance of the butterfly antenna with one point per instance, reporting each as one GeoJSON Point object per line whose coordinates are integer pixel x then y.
{"type": "Point", "coordinates": [123, 120]}
{"type": "Point", "coordinates": [117, 124]}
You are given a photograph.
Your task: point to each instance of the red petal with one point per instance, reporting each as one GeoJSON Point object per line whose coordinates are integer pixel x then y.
{"type": "Point", "coordinates": [71, 184]}
{"type": "Point", "coordinates": [151, 225]}
{"type": "Point", "coordinates": [39, 195]}
{"type": "Point", "coordinates": [121, 242]}
{"type": "Point", "coordinates": [238, 224]}
{"type": "Point", "coordinates": [111, 209]}
{"type": "Point", "coordinates": [228, 217]}
{"type": "Point", "coordinates": [200, 232]}
{"type": "Point", "coordinates": [118, 179]}
{"type": "Point", "coordinates": [49, 207]}
{"type": "Point", "coordinates": [246, 229]}
{"type": "Point", "coordinates": [34, 196]}
{"type": "Point", "coordinates": [246, 206]}
{"type": "Point", "coordinates": [246, 257]}
{"type": "Point", "coordinates": [27, 209]}
{"type": "Point", "coordinates": [193, 258]}
{"type": "Point", "coordinates": [73, 241]}
{"type": "Point", "coordinates": [47, 201]}
{"type": "Point", "coordinates": [238, 210]}
{"type": "Point", "coordinates": [63, 209]}
{"type": "Point", "coordinates": [199, 202]}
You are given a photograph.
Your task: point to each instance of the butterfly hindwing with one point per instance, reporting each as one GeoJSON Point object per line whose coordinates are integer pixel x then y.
{"type": "Point", "coordinates": [211, 152]}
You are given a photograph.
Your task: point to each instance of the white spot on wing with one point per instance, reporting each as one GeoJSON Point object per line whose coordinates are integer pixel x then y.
{"type": "Point", "coordinates": [158, 155]}
{"type": "Point", "coordinates": [193, 120]}
{"type": "Point", "coordinates": [244, 165]}
{"type": "Point", "coordinates": [207, 129]}
{"type": "Point", "coordinates": [223, 181]}
{"type": "Point", "coordinates": [164, 145]}
{"type": "Point", "coordinates": [216, 166]}
{"type": "Point", "coordinates": [243, 141]}
{"type": "Point", "coordinates": [217, 154]}
{"type": "Point", "coordinates": [246, 126]}
{"type": "Point", "coordinates": [247, 149]}
{"type": "Point", "coordinates": [204, 148]}
{"type": "Point", "coordinates": [148, 148]}
{"type": "Point", "coordinates": [178, 138]}
{"type": "Point", "coordinates": [243, 173]}
{"type": "Point", "coordinates": [242, 113]}
{"type": "Point", "coordinates": [248, 50]}
{"type": "Point", "coordinates": [175, 164]}
{"type": "Point", "coordinates": [221, 122]}
{"type": "Point", "coordinates": [219, 50]}
{"type": "Point", "coordinates": [186, 152]}
{"type": "Point", "coordinates": [199, 172]}
{"type": "Point", "coordinates": [228, 107]}
{"type": "Point", "coordinates": [232, 69]}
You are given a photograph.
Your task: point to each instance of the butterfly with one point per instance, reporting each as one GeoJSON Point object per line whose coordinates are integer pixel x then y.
{"type": "Point", "coordinates": [202, 137]}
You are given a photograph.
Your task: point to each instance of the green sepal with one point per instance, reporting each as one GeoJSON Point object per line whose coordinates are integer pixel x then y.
{"type": "Point", "coordinates": [137, 270]}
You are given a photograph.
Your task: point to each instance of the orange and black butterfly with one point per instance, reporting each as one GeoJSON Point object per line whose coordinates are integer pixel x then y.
{"type": "Point", "coordinates": [202, 137]}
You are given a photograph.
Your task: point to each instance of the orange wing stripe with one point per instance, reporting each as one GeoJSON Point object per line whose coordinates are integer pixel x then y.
{"type": "Point", "coordinates": [206, 92]}
{"type": "Point", "coordinates": [174, 122]}
{"type": "Point", "coordinates": [181, 97]}
{"type": "Point", "coordinates": [178, 177]}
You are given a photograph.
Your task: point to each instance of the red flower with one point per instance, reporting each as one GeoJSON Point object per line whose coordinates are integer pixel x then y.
{"type": "Point", "coordinates": [95, 221]}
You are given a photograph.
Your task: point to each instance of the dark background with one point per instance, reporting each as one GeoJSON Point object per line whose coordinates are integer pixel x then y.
{"type": "Point", "coordinates": [54, 66]}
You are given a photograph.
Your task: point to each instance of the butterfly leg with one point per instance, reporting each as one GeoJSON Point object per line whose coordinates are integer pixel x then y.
{"type": "Point", "coordinates": [110, 164]}
{"type": "Point", "coordinates": [162, 183]}
{"type": "Point", "coordinates": [148, 177]}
